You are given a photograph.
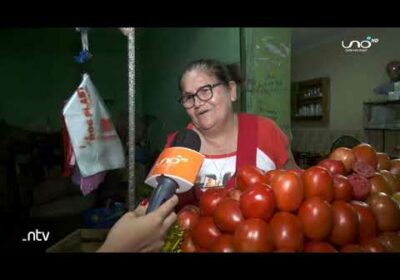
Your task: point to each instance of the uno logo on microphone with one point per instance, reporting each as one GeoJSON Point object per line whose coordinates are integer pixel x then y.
{"type": "Point", "coordinates": [173, 160]}
{"type": "Point", "coordinates": [179, 163]}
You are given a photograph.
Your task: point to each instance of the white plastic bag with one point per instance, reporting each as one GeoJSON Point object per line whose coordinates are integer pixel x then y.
{"type": "Point", "coordinates": [94, 140]}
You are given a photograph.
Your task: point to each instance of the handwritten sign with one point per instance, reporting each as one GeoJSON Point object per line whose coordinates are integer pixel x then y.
{"type": "Point", "coordinates": [267, 59]}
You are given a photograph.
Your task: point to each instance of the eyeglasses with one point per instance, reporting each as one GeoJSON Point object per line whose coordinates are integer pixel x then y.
{"type": "Point", "coordinates": [204, 93]}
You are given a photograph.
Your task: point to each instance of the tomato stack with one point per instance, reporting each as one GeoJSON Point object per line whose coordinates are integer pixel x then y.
{"type": "Point", "coordinates": [349, 202]}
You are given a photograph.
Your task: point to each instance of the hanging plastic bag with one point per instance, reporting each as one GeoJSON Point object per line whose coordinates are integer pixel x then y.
{"type": "Point", "coordinates": [94, 140]}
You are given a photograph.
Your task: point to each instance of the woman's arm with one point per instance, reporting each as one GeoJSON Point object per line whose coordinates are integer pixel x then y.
{"type": "Point", "coordinates": [146, 233]}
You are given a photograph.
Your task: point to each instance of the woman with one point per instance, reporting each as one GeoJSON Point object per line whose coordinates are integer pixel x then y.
{"type": "Point", "coordinates": [228, 140]}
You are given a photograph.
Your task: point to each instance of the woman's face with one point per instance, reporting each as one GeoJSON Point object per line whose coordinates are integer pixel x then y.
{"type": "Point", "coordinates": [212, 113]}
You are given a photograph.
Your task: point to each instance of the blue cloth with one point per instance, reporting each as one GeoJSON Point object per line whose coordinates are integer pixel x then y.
{"type": "Point", "coordinates": [83, 57]}
{"type": "Point", "coordinates": [103, 217]}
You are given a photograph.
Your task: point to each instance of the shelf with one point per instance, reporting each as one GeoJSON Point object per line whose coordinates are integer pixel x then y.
{"type": "Point", "coordinates": [309, 100]}
{"type": "Point", "coordinates": [308, 117]}
{"type": "Point", "coordinates": [383, 128]}
{"type": "Point", "coordinates": [382, 102]}
{"type": "Point", "coordinates": [301, 98]}
{"type": "Point", "coordinates": [301, 103]}
{"type": "Point", "coordinates": [305, 102]}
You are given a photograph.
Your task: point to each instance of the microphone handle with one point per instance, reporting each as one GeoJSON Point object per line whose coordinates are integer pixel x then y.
{"type": "Point", "coordinates": [165, 190]}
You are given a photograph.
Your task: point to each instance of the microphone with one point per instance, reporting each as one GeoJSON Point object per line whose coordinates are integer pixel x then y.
{"type": "Point", "coordinates": [176, 168]}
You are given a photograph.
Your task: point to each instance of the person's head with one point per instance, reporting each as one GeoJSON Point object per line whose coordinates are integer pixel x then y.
{"type": "Point", "coordinates": [208, 89]}
{"type": "Point", "coordinates": [393, 70]}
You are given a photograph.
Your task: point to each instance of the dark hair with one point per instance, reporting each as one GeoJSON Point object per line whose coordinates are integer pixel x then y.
{"type": "Point", "coordinates": [393, 70]}
{"type": "Point", "coordinates": [392, 64]}
{"type": "Point", "coordinates": [223, 72]}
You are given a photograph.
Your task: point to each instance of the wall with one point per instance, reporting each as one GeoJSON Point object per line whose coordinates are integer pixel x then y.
{"type": "Point", "coordinates": [353, 76]}
{"type": "Point", "coordinates": [38, 72]}
{"type": "Point", "coordinates": [267, 61]}
{"type": "Point", "coordinates": [162, 54]}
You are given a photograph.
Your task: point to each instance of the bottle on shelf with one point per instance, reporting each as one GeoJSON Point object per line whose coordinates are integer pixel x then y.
{"type": "Point", "coordinates": [312, 109]}
{"type": "Point", "coordinates": [318, 110]}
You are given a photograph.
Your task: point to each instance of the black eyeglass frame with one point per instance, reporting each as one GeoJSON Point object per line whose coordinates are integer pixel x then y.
{"type": "Point", "coordinates": [193, 95]}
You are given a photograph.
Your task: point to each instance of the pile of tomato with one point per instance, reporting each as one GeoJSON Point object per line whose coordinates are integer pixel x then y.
{"type": "Point", "coordinates": [349, 202]}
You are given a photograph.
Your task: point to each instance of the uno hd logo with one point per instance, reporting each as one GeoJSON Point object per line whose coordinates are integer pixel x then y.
{"type": "Point", "coordinates": [359, 46]}
{"type": "Point", "coordinates": [173, 160]}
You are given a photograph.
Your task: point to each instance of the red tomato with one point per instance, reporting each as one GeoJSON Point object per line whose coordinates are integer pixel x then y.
{"type": "Point", "coordinates": [366, 153]}
{"type": "Point", "coordinates": [345, 224]}
{"type": "Point", "coordinates": [289, 191]}
{"type": "Point", "coordinates": [297, 171]}
{"type": "Point", "coordinates": [223, 244]}
{"type": "Point", "coordinates": [249, 175]}
{"type": "Point", "coordinates": [192, 208]}
{"type": "Point", "coordinates": [205, 232]}
{"type": "Point", "coordinates": [395, 168]}
{"type": "Point", "coordinates": [271, 174]}
{"type": "Point", "coordinates": [227, 215]}
{"type": "Point", "coordinates": [188, 217]}
{"type": "Point", "coordinates": [319, 247]}
{"type": "Point", "coordinates": [284, 251]}
{"type": "Point", "coordinates": [253, 235]}
{"type": "Point", "coordinates": [210, 199]}
{"type": "Point", "coordinates": [342, 189]}
{"type": "Point", "coordinates": [391, 180]}
{"type": "Point", "coordinates": [368, 227]}
{"type": "Point", "coordinates": [345, 155]}
{"type": "Point", "coordinates": [316, 217]}
{"type": "Point", "coordinates": [187, 245]}
{"type": "Point", "coordinates": [333, 166]}
{"type": "Point", "coordinates": [373, 246]}
{"type": "Point", "coordinates": [202, 250]}
{"type": "Point", "coordinates": [383, 161]}
{"type": "Point", "coordinates": [318, 182]}
{"type": "Point", "coordinates": [233, 193]}
{"type": "Point", "coordinates": [363, 169]}
{"type": "Point", "coordinates": [391, 241]}
{"type": "Point", "coordinates": [386, 211]}
{"type": "Point", "coordinates": [379, 184]}
{"type": "Point", "coordinates": [361, 186]}
{"type": "Point", "coordinates": [352, 248]}
{"type": "Point", "coordinates": [288, 231]}
{"type": "Point", "coordinates": [258, 201]}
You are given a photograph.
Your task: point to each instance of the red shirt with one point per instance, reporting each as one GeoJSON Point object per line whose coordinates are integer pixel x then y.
{"type": "Point", "coordinates": [260, 143]}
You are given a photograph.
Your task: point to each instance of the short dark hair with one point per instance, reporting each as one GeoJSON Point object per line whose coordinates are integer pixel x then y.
{"type": "Point", "coordinates": [393, 70]}
{"type": "Point", "coordinates": [392, 64]}
{"type": "Point", "coordinates": [223, 72]}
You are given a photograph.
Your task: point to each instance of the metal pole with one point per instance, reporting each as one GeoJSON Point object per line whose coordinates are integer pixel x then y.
{"type": "Point", "coordinates": [131, 110]}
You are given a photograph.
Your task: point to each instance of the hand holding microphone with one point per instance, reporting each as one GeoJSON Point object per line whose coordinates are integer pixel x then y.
{"type": "Point", "coordinates": [176, 168]}
{"type": "Point", "coordinates": [136, 232]}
